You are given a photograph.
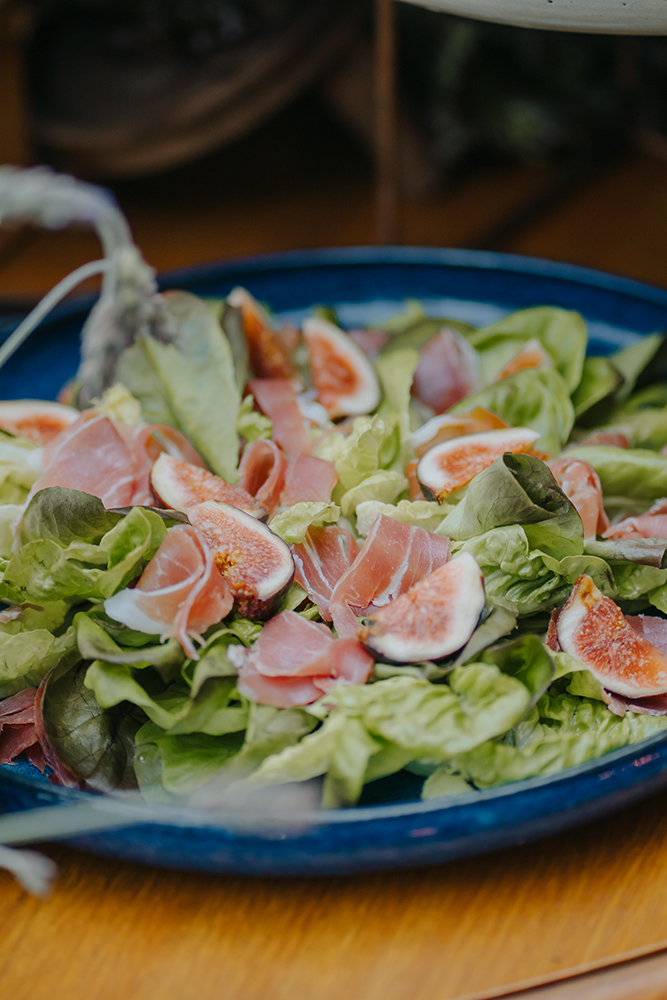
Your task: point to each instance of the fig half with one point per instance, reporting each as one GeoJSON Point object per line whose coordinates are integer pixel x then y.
{"type": "Point", "coordinates": [452, 464]}
{"type": "Point", "coordinates": [593, 629]}
{"type": "Point", "coordinates": [342, 374]}
{"type": "Point", "coordinates": [35, 419]}
{"type": "Point", "coordinates": [453, 425]}
{"type": "Point", "coordinates": [433, 619]}
{"type": "Point", "coordinates": [257, 564]}
{"type": "Point", "coordinates": [180, 485]}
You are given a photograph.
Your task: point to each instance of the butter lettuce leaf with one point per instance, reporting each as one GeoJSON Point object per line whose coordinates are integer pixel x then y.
{"type": "Point", "coordinates": [635, 473]}
{"type": "Point", "coordinates": [538, 398]}
{"type": "Point", "coordinates": [292, 524]}
{"type": "Point", "coordinates": [33, 644]}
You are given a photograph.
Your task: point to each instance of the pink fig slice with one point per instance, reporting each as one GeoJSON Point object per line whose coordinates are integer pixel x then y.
{"type": "Point", "coordinates": [592, 628]}
{"type": "Point", "coordinates": [452, 464]}
{"type": "Point", "coordinates": [342, 374]}
{"type": "Point", "coordinates": [36, 419]}
{"type": "Point", "coordinates": [257, 564]}
{"type": "Point", "coordinates": [180, 485]}
{"type": "Point", "coordinates": [433, 619]}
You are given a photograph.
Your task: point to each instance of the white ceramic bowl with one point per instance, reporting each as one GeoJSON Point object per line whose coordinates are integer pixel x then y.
{"type": "Point", "coordinates": [634, 17]}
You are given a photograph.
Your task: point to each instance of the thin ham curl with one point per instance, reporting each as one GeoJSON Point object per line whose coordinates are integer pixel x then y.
{"type": "Point", "coordinates": [581, 484]}
{"type": "Point", "coordinates": [180, 593]}
{"type": "Point", "coordinates": [308, 478]}
{"type": "Point", "coordinates": [278, 400]}
{"type": "Point", "coordinates": [295, 661]}
{"type": "Point", "coordinates": [110, 459]}
{"type": "Point", "coordinates": [262, 473]}
{"type": "Point", "coordinates": [393, 557]}
{"type": "Point", "coordinates": [17, 729]}
{"type": "Point", "coordinates": [320, 560]}
{"type": "Point", "coordinates": [652, 524]}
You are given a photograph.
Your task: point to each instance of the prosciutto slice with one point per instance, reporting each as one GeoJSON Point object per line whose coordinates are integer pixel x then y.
{"type": "Point", "coordinates": [295, 661]}
{"type": "Point", "coordinates": [580, 483]}
{"type": "Point", "coordinates": [180, 593]}
{"type": "Point", "coordinates": [277, 398]}
{"type": "Point", "coordinates": [17, 729]}
{"type": "Point", "coordinates": [393, 557]}
{"type": "Point", "coordinates": [308, 478]}
{"type": "Point", "coordinates": [448, 371]}
{"type": "Point", "coordinates": [262, 473]}
{"type": "Point", "coordinates": [321, 559]}
{"type": "Point", "coordinates": [652, 524]}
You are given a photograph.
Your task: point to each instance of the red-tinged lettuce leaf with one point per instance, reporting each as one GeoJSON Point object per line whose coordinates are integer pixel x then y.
{"type": "Point", "coordinates": [17, 728]}
{"type": "Point", "coordinates": [86, 746]}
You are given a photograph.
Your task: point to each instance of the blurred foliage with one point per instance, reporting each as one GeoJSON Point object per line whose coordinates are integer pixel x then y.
{"type": "Point", "coordinates": [485, 88]}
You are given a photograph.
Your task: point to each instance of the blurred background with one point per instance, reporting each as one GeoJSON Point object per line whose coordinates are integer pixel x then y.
{"type": "Point", "coordinates": [231, 127]}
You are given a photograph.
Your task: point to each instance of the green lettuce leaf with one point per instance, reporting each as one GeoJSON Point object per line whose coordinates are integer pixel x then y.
{"type": "Point", "coordinates": [395, 372]}
{"type": "Point", "coordinates": [95, 744]}
{"type": "Point", "coordinates": [180, 763]}
{"type": "Point", "coordinates": [189, 383]}
{"type": "Point", "coordinates": [382, 487]}
{"type": "Point", "coordinates": [65, 556]}
{"type": "Point", "coordinates": [95, 643]}
{"type": "Point", "coordinates": [30, 647]}
{"type": "Point", "coordinates": [413, 329]}
{"type": "Point", "coordinates": [570, 731]}
{"type": "Point", "coordinates": [10, 516]}
{"type": "Point", "coordinates": [538, 398]}
{"type": "Point", "coordinates": [251, 424]}
{"type": "Point", "coordinates": [20, 467]}
{"type": "Point", "coordinates": [293, 523]}
{"type": "Point", "coordinates": [371, 446]}
{"type": "Point", "coordinates": [599, 379]}
{"type": "Point", "coordinates": [561, 333]}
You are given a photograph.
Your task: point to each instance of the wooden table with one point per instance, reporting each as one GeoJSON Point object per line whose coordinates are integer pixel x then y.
{"type": "Point", "coordinates": [112, 930]}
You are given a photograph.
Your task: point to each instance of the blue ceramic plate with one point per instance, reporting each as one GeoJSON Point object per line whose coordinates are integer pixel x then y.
{"type": "Point", "coordinates": [391, 828]}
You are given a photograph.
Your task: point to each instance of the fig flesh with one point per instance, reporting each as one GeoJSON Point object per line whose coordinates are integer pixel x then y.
{"type": "Point", "coordinates": [433, 619]}
{"type": "Point", "coordinates": [342, 374]}
{"type": "Point", "coordinates": [593, 629]}
{"type": "Point", "coordinates": [452, 464]}
{"type": "Point", "coordinates": [268, 354]}
{"type": "Point", "coordinates": [531, 355]}
{"type": "Point", "coordinates": [453, 425]}
{"type": "Point", "coordinates": [180, 485]}
{"type": "Point", "coordinates": [257, 564]}
{"type": "Point", "coordinates": [35, 419]}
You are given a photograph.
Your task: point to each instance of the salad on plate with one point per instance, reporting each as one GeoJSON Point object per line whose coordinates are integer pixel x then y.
{"type": "Point", "coordinates": [239, 554]}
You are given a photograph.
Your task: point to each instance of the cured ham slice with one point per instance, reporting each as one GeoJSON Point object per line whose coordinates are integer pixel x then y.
{"type": "Point", "coordinates": [448, 371]}
{"type": "Point", "coordinates": [180, 593]}
{"type": "Point", "coordinates": [262, 473]}
{"type": "Point", "coordinates": [652, 524]}
{"type": "Point", "coordinates": [91, 456]}
{"type": "Point", "coordinates": [320, 560]}
{"type": "Point", "coordinates": [295, 661]}
{"type": "Point", "coordinates": [371, 342]}
{"type": "Point", "coordinates": [277, 399]}
{"type": "Point", "coordinates": [268, 352]}
{"type": "Point", "coordinates": [180, 485]}
{"type": "Point", "coordinates": [17, 729]}
{"type": "Point", "coordinates": [308, 478]}
{"type": "Point", "coordinates": [393, 558]}
{"type": "Point", "coordinates": [613, 439]}
{"type": "Point", "coordinates": [593, 629]}
{"type": "Point", "coordinates": [580, 484]}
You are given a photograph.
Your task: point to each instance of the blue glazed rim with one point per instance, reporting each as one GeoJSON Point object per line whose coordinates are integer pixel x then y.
{"type": "Point", "coordinates": [395, 834]}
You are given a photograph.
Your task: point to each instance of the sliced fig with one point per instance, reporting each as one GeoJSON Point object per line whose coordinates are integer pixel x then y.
{"type": "Point", "coordinates": [257, 565]}
{"type": "Point", "coordinates": [593, 629]}
{"type": "Point", "coordinates": [268, 354]}
{"type": "Point", "coordinates": [342, 374]}
{"type": "Point", "coordinates": [448, 371]}
{"type": "Point", "coordinates": [35, 419]}
{"type": "Point", "coordinates": [433, 619]}
{"type": "Point", "coordinates": [452, 464]}
{"type": "Point", "coordinates": [452, 425]}
{"type": "Point", "coordinates": [531, 355]}
{"type": "Point", "coordinates": [180, 485]}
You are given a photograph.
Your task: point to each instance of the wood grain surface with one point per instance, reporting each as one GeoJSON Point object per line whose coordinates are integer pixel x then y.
{"type": "Point", "coordinates": [114, 930]}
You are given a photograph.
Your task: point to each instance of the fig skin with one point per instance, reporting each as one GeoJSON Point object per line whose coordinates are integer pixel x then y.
{"type": "Point", "coordinates": [256, 563]}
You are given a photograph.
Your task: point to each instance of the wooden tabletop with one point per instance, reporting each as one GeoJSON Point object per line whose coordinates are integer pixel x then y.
{"type": "Point", "coordinates": [471, 928]}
